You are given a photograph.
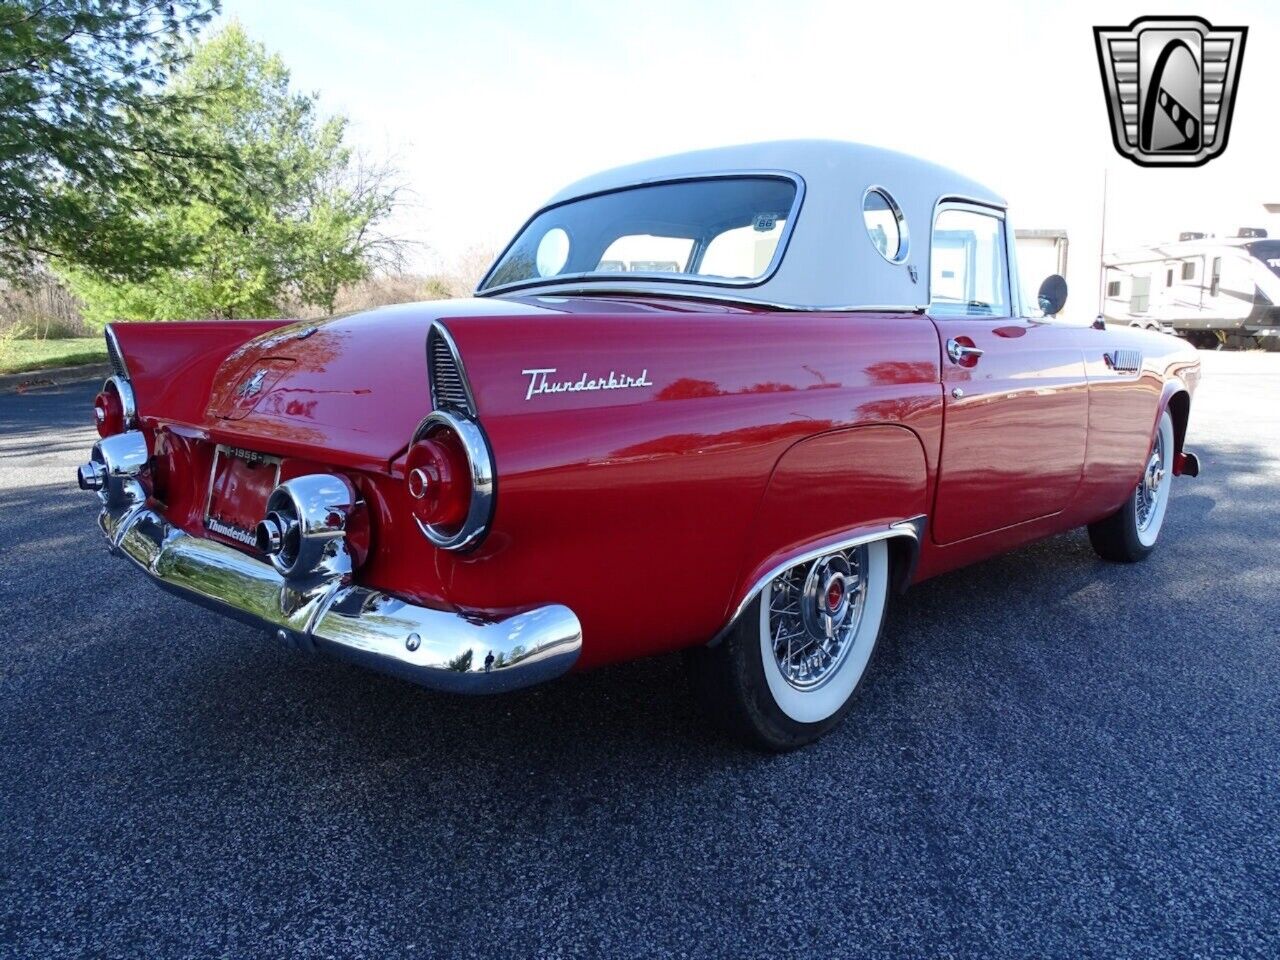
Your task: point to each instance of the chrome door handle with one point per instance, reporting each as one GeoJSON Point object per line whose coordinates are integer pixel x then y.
{"type": "Point", "coordinates": [958, 352]}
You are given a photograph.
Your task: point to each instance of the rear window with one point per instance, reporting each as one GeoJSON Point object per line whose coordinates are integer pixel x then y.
{"type": "Point", "coordinates": [718, 230]}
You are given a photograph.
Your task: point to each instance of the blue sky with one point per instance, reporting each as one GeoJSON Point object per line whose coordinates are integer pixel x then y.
{"type": "Point", "coordinates": [488, 108]}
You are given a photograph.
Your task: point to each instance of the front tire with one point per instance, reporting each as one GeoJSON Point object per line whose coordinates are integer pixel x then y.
{"type": "Point", "coordinates": [791, 666]}
{"type": "Point", "coordinates": [1130, 534]}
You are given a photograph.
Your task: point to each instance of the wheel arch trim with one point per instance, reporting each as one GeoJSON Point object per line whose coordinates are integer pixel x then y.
{"type": "Point", "coordinates": [906, 534]}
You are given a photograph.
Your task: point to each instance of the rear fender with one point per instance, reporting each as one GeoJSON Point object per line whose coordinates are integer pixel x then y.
{"type": "Point", "coordinates": [171, 366]}
{"type": "Point", "coordinates": [833, 491]}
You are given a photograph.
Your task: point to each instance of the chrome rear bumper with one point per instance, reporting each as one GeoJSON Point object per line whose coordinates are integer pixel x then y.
{"type": "Point", "coordinates": [461, 652]}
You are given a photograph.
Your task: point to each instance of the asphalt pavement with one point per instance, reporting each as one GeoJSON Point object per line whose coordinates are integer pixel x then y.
{"type": "Point", "coordinates": [1055, 757]}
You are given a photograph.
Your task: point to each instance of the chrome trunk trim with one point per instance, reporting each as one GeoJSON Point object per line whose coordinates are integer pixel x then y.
{"type": "Point", "coordinates": [458, 652]}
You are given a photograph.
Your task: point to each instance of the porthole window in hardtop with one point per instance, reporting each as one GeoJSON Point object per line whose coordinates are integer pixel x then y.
{"type": "Point", "coordinates": [885, 224]}
{"type": "Point", "coordinates": [713, 230]}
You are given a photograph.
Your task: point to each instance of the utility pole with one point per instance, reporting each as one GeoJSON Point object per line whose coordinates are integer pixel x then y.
{"type": "Point", "coordinates": [1102, 244]}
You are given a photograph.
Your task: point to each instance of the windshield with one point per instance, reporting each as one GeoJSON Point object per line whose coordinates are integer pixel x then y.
{"type": "Point", "coordinates": [721, 230]}
{"type": "Point", "coordinates": [1268, 251]}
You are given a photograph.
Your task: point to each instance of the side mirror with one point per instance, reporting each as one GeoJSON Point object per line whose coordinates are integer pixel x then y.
{"type": "Point", "coordinates": [1053, 294]}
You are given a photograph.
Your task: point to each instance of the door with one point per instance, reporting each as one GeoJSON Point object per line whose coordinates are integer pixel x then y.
{"type": "Point", "coordinates": [1016, 396]}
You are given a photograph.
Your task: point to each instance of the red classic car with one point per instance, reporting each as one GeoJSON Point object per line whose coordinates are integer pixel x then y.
{"type": "Point", "coordinates": [727, 402]}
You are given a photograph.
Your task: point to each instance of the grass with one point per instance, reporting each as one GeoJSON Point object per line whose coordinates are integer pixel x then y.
{"type": "Point", "coordinates": [19, 356]}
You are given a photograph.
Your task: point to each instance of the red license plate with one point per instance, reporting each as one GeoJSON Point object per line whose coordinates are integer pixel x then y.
{"type": "Point", "coordinates": [238, 489]}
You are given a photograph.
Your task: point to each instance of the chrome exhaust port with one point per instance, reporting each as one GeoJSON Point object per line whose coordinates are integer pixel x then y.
{"type": "Point", "coordinates": [304, 531]}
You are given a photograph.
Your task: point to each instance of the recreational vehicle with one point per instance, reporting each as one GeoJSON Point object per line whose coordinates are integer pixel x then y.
{"type": "Point", "coordinates": [1215, 291]}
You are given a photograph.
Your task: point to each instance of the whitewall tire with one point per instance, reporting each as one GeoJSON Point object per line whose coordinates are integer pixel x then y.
{"type": "Point", "coordinates": [791, 666]}
{"type": "Point", "coordinates": [1130, 534]}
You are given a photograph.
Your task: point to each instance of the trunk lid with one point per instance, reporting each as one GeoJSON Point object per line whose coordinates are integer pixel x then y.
{"type": "Point", "coordinates": [348, 390]}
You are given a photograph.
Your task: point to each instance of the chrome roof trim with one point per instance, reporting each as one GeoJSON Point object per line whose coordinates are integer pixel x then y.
{"type": "Point", "coordinates": [605, 289]}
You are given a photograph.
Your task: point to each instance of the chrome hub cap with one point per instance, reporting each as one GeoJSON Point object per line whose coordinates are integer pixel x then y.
{"type": "Point", "coordinates": [1148, 492]}
{"type": "Point", "coordinates": [814, 612]}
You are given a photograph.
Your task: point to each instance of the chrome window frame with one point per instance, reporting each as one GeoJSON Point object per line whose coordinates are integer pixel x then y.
{"type": "Point", "coordinates": [904, 230]}
{"type": "Point", "coordinates": [971, 205]}
{"type": "Point", "coordinates": [697, 279]}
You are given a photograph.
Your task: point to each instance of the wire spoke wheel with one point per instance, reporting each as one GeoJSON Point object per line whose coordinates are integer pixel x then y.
{"type": "Point", "coordinates": [1146, 497]}
{"type": "Point", "coordinates": [814, 613]}
{"type": "Point", "coordinates": [1131, 532]}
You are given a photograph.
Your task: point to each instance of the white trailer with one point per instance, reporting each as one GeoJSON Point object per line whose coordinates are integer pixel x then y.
{"type": "Point", "coordinates": [1212, 290]}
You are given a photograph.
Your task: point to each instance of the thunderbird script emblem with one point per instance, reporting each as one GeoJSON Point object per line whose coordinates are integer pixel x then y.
{"type": "Point", "coordinates": [1170, 84]}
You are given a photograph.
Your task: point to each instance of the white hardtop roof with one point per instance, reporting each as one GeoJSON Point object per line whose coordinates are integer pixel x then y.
{"type": "Point", "coordinates": [830, 262]}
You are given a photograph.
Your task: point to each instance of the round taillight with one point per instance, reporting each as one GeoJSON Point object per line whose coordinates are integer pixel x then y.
{"type": "Point", "coordinates": [114, 410]}
{"type": "Point", "coordinates": [438, 479]}
{"type": "Point", "coordinates": [108, 412]}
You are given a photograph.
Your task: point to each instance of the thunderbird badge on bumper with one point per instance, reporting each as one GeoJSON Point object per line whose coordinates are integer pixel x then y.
{"type": "Point", "coordinates": [320, 608]}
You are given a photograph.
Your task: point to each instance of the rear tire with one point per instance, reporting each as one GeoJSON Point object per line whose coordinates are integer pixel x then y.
{"type": "Point", "coordinates": [791, 666]}
{"type": "Point", "coordinates": [1130, 534]}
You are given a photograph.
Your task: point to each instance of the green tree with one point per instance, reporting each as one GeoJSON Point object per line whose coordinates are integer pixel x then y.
{"type": "Point", "coordinates": [294, 220]}
{"type": "Point", "coordinates": [87, 127]}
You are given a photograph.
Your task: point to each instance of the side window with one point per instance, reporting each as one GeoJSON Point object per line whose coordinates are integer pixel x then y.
{"type": "Point", "coordinates": [968, 267]}
{"type": "Point", "coordinates": [1188, 269]}
{"type": "Point", "coordinates": [1216, 278]}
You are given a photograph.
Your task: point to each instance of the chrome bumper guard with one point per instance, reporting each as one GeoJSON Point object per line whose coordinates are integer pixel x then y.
{"type": "Point", "coordinates": [462, 652]}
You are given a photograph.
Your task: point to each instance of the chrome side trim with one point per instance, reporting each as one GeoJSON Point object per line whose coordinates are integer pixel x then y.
{"type": "Point", "coordinates": [1123, 361]}
{"type": "Point", "coordinates": [483, 483]}
{"type": "Point", "coordinates": [912, 528]}
{"type": "Point", "coordinates": [438, 329]}
{"type": "Point", "coordinates": [458, 652]}
{"type": "Point", "coordinates": [128, 404]}
{"type": "Point", "coordinates": [114, 353]}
